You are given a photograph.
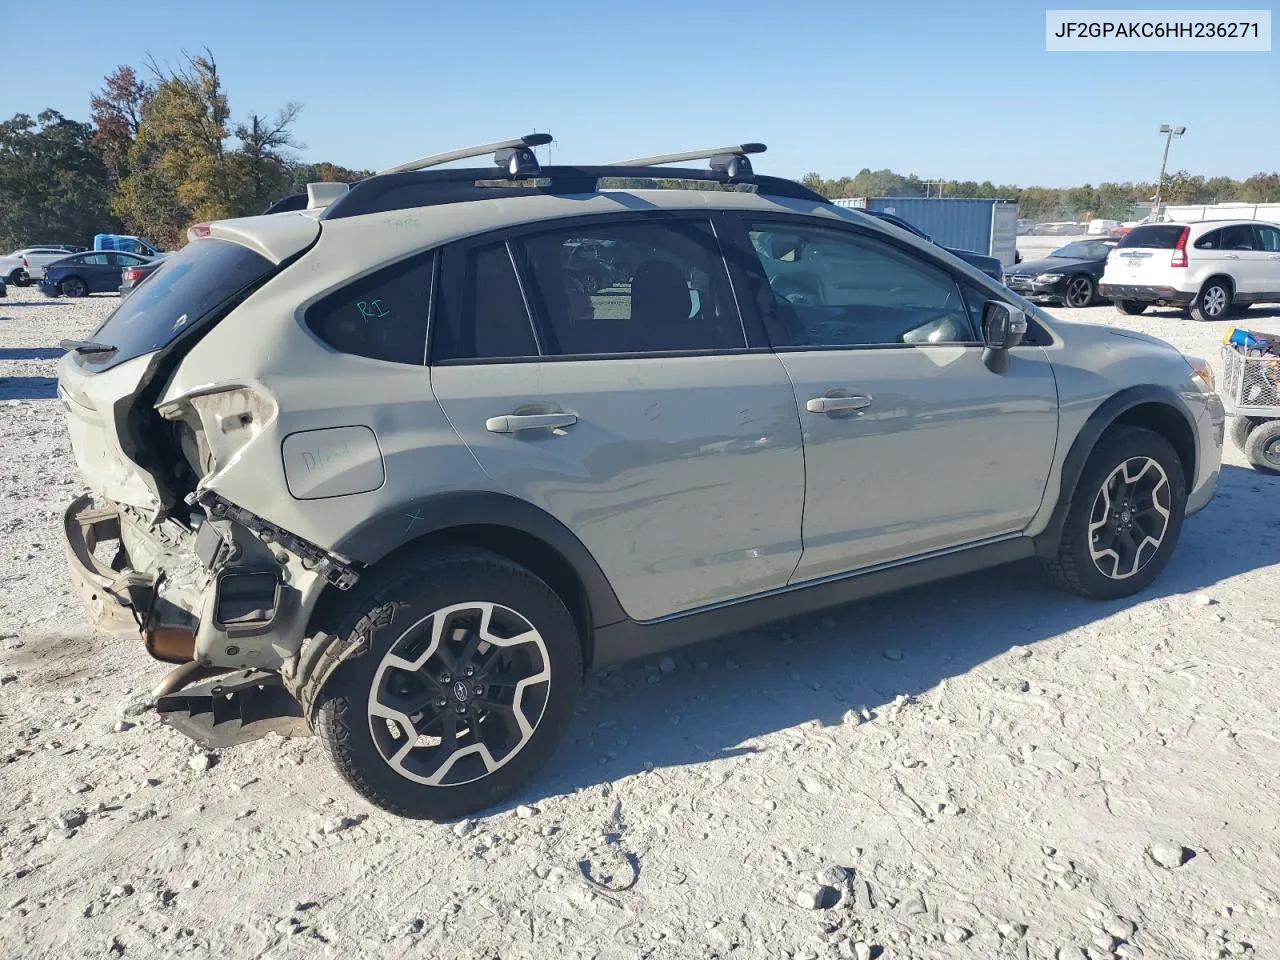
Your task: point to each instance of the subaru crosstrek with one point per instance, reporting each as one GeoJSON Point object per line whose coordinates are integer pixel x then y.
{"type": "Point", "coordinates": [386, 469]}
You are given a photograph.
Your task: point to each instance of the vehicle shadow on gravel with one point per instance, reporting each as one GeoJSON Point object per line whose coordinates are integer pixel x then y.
{"type": "Point", "coordinates": [28, 388]}
{"type": "Point", "coordinates": [30, 353]}
{"type": "Point", "coordinates": [724, 693]}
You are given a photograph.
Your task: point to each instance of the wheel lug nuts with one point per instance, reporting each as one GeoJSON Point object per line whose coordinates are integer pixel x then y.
{"type": "Point", "coordinates": [461, 708]}
{"type": "Point", "coordinates": [478, 689]}
{"type": "Point", "coordinates": [445, 678]}
{"type": "Point", "coordinates": [470, 671]}
{"type": "Point", "coordinates": [441, 701]}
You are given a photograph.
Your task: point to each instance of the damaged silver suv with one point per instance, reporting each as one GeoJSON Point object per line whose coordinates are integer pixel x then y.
{"type": "Point", "coordinates": [398, 464]}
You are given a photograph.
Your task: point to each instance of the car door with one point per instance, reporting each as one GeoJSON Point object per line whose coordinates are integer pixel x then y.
{"type": "Point", "coordinates": [1242, 259]}
{"type": "Point", "coordinates": [637, 413]}
{"type": "Point", "coordinates": [912, 445]}
{"type": "Point", "coordinates": [1268, 259]}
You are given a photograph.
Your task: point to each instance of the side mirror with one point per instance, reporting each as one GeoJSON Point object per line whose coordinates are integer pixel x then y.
{"type": "Point", "coordinates": [1003, 327]}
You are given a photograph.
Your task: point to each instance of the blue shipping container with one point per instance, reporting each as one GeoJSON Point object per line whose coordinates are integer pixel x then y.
{"type": "Point", "coordinates": [984, 226]}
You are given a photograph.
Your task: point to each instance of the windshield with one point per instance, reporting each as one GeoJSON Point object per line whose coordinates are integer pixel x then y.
{"type": "Point", "coordinates": [1083, 250]}
{"type": "Point", "coordinates": [185, 288]}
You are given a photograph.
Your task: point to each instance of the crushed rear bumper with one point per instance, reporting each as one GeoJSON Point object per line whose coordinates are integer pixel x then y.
{"type": "Point", "coordinates": [117, 599]}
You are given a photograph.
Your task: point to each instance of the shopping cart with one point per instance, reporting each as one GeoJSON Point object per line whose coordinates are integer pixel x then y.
{"type": "Point", "coordinates": [1251, 394]}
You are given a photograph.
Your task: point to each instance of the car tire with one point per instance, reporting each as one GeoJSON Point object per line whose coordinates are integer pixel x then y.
{"type": "Point", "coordinates": [1080, 292]}
{"type": "Point", "coordinates": [73, 287]}
{"type": "Point", "coordinates": [18, 277]}
{"type": "Point", "coordinates": [1115, 543]}
{"type": "Point", "coordinates": [1262, 446]}
{"type": "Point", "coordinates": [1239, 428]}
{"type": "Point", "coordinates": [1212, 302]}
{"type": "Point", "coordinates": [1132, 307]}
{"type": "Point", "coordinates": [489, 738]}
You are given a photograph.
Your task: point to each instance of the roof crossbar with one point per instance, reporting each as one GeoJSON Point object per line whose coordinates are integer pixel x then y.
{"type": "Point", "coordinates": [710, 153]}
{"type": "Point", "coordinates": [498, 148]}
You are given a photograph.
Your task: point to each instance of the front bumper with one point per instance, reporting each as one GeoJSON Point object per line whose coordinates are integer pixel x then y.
{"type": "Point", "coordinates": [1163, 296]}
{"type": "Point", "coordinates": [1210, 429]}
{"type": "Point", "coordinates": [1036, 289]}
{"type": "Point", "coordinates": [49, 288]}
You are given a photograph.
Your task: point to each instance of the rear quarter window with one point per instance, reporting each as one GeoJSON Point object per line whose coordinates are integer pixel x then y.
{"type": "Point", "coordinates": [382, 316]}
{"type": "Point", "coordinates": [186, 288]}
{"type": "Point", "coordinates": [1160, 236]}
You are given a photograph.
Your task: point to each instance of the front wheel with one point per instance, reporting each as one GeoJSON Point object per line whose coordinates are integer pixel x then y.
{"type": "Point", "coordinates": [1212, 302]}
{"type": "Point", "coordinates": [466, 687]}
{"type": "Point", "coordinates": [1080, 292]}
{"type": "Point", "coordinates": [1124, 516]}
{"type": "Point", "coordinates": [1262, 447]}
{"type": "Point", "coordinates": [1132, 307]}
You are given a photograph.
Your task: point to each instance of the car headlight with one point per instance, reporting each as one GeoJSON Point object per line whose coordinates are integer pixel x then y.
{"type": "Point", "coordinates": [1048, 277]}
{"type": "Point", "coordinates": [1201, 373]}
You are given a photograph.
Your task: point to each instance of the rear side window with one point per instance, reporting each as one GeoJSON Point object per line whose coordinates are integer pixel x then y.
{"type": "Point", "coordinates": [382, 316]}
{"type": "Point", "coordinates": [481, 309]}
{"type": "Point", "coordinates": [1160, 236]}
{"type": "Point", "coordinates": [1210, 241]}
{"type": "Point", "coordinates": [1269, 237]}
{"type": "Point", "coordinates": [1239, 237]}
{"type": "Point", "coordinates": [632, 288]}
{"type": "Point", "coordinates": [188, 286]}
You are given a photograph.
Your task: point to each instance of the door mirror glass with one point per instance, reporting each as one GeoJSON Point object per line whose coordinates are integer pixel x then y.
{"type": "Point", "coordinates": [1003, 325]}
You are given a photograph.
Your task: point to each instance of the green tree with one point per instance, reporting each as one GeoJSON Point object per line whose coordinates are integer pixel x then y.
{"type": "Point", "coordinates": [53, 183]}
{"type": "Point", "coordinates": [264, 157]}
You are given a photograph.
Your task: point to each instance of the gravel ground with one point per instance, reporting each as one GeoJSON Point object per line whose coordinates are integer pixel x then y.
{"type": "Point", "coordinates": [987, 769]}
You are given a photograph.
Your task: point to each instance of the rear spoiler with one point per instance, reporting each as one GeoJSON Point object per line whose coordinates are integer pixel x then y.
{"type": "Point", "coordinates": [317, 197]}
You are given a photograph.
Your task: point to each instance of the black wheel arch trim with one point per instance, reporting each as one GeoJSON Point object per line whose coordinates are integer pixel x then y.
{"type": "Point", "coordinates": [1107, 413]}
{"type": "Point", "coordinates": [418, 519]}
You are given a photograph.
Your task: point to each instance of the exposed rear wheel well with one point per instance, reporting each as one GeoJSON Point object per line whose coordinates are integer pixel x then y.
{"type": "Point", "coordinates": [1223, 279]}
{"type": "Point", "coordinates": [1169, 423]}
{"type": "Point", "coordinates": [519, 547]}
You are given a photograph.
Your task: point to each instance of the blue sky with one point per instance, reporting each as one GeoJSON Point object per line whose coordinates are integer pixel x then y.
{"type": "Point", "coordinates": [936, 87]}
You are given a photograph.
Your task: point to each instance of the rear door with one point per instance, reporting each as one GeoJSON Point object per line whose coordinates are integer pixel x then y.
{"type": "Point", "coordinates": [911, 444]}
{"type": "Point", "coordinates": [1269, 259]}
{"type": "Point", "coordinates": [637, 413]}
{"type": "Point", "coordinates": [1243, 259]}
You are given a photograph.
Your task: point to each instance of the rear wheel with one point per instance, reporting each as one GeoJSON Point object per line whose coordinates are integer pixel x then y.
{"type": "Point", "coordinates": [1080, 292]}
{"type": "Point", "coordinates": [18, 277]}
{"type": "Point", "coordinates": [1239, 428]}
{"type": "Point", "coordinates": [1212, 302]}
{"type": "Point", "coordinates": [1132, 307]}
{"type": "Point", "coordinates": [466, 687]}
{"type": "Point", "coordinates": [74, 287]}
{"type": "Point", "coordinates": [1124, 517]}
{"type": "Point", "coordinates": [1262, 448]}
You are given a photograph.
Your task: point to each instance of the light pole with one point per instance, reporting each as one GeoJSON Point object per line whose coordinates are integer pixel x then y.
{"type": "Point", "coordinates": [1169, 133]}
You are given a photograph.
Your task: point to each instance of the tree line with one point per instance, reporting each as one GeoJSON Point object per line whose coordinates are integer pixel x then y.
{"type": "Point", "coordinates": [160, 152]}
{"type": "Point", "coordinates": [1112, 201]}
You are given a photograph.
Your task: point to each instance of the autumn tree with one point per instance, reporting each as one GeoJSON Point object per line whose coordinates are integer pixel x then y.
{"type": "Point", "coordinates": [116, 114]}
{"type": "Point", "coordinates": [53, 184]}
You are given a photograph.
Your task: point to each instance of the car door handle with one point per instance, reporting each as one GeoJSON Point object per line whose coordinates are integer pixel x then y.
{"type": "Point", "coordinates": [515, 422]}
{"type": "Point", "coordinates": [836, 404]}
{"type": "Point", "coordinates": [1230, 256]}
{"type": "Point", "coordinates": [1274, 256]}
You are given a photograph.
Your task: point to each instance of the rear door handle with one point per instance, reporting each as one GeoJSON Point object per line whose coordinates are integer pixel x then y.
{"type": "Point", "coordinates": [1230, 256]}
{"type": "Point", "coordinates": [836, 404]}
{"type": "Point", "coordinates": [514, 422]}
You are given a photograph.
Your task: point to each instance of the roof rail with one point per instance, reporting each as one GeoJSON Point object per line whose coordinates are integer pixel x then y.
{"type": "Point", "coordinates": [502, 150]}
{"type": "Point", "coordinates": [710, 153]}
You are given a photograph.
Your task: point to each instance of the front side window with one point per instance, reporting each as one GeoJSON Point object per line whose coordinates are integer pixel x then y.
{"type": "Point", "coordinates": [382, 316]}
{"type": "Point", "coordinates": [631, 288]}
{"type": "Point", "coordinates": [828, 288]}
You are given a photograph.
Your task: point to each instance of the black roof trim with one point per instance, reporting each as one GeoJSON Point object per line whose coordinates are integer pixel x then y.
{"type": "Point", "coordinates": [429, 188]}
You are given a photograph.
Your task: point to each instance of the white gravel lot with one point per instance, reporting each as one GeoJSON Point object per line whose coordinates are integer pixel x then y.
{"type": "Point", "coordinates": [988, 768]}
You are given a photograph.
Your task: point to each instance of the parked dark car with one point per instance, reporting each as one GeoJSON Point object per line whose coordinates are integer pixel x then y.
{"type": "Point", "coordinates": [4, 291]}
{"type": "Point", "coordinates": [81, 274]}
{"type": "Point", "coordinates": [133, 275]}
{"type": "Point", "coordinates": [991, 266]}
{"type": "Point", "coordinates": [1069, 275]}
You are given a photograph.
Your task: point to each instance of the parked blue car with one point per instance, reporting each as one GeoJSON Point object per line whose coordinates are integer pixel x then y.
{"type": "Point", "coordinates": [85, 273]}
